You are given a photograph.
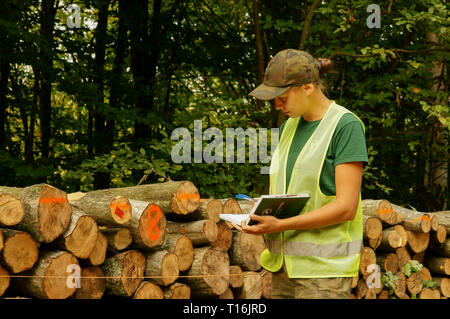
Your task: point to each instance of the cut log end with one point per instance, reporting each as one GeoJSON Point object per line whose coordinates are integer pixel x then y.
{"type": "Point", "coordinates": [120, 209]}
{"type": "Point", "coordinates": [441, 234]}
{"type": "Point", "coordinates": [211, 230]}
{"type": "Point", "coordinates": [224, 236]}
{"type": "Point", "coordinates": [152, 226]}
{"type": "Point", "coordinates": [132, 271]}
{"type": "Point", "coordinates": [55, 278]}
{"type": "Point", "coordinates": [11, 210]}
{"type": "Point", "coordinates": [185, 252]}
{"type": "Point", "coordinates": [216, 268]}
{"type": "Point", "coordinates": [20, 251]}
{"type": "Point", "coordinates": [92, 284]}
{"type": "Point", "coordinates": [236, 276]}
{"type": "Point", "coordinates": [428, 293]}
{"type": "Point", "coordinates": [54, 212]}
{"type": "Point", "coordinates": [169, 269]}
{"type": "Point", "coordinates": [367, 258]}
{"type": "Point", "coordinates": [98, 254]}
{"type": "Point", "coordinates": [177, 291]}
{"type": "Point", "coordinates": [4, 280]}
{"type": "Point", "coordinates": [186, 199]}
{"type": "Point", "coordinates": [214, 209]}
{"type": "Point", "coordinates": [373, 227]}
{"type": "Point", "coordinates": [148, 290]}
{"type": "Point", "coordinates": [83, 238]}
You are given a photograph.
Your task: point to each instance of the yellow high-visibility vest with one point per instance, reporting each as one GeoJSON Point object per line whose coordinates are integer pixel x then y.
{"type": "Point", "coordinates": [332, 251]}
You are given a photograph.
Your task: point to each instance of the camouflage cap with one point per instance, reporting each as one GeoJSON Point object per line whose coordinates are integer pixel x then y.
{"type": "Point", "coordinates": [286, 69]}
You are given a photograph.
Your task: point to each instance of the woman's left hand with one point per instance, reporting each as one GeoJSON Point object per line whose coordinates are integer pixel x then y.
{"type": "Point", "coordinates": [266, 224]}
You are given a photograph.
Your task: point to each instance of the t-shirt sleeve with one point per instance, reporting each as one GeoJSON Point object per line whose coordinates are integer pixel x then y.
{"type": "Point", "coordinates": [349, 143]}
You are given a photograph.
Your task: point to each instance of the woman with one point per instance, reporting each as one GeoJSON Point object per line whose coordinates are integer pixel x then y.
{"type": "Point", "coordinates": [321, 151]}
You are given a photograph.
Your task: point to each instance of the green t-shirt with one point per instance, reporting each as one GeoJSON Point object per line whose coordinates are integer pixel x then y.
{"type": "Point", "coordinates": [348, 144]}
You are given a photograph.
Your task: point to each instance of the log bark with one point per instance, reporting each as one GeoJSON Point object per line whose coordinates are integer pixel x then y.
{"type": "Point", "coordinates": [107, 208]}
{"type": "Point", "coordinates": [418, 242]}
{"type": "Point", "coordinates": [428, 293]}
{"type": "Point", "coordinates": [98, 254]}
{"type": "Point", "coordinates": [20, 250]}
{"type": "Point", "coordinates": [387, 262]}
{"type": "Point", "coordinates": [127, 268]}
{"type": "Point", "coordinates": [224, 236]}
{"type": "Point", "coordinates": [414, 283]}
{"type": "Point", "coordinates": [182, 247]}
{"type": "Point", "coordinates": [4, 280]}
{"type": "Point", "coordinates": [80, 236]}
{"type": "Point", "coordinates": [251, 286]}
{"type": "Point", "coordinates": [443, 283]}
{"type": "Point", "coordinates": [443, 249]}
{"type": "Point", "coordinates": [47, 213]}
{"type": "Point", "coordinates": [11, 209]}
{"type": "Point", "coordinates": [231, 206]}
{"type": "Point", "coordinates": [437, 265]}
{"type": "Point", "coordinates": [266, 284]}
{"type": "Point", "coordinates": [162, 266]}
{"type": "Point", "coordinates": [246, 250]}
{"type": "Point", "coordinates": [49, 277]}
{"type": "Point", "coordinates": [177, 291]}
{"type": "Point", "coordinates": [372, 227]}
{"type": "Point", "coordinates": [118, 238]}
{"type": "Point", "coordinates": [236, 276]}
{"type": "Point", "coordinates": [210, 209]}
{"type": "Point", "coordinates": [210, 272]}
{"type": "Point", "coordinates": [443, 219]}
{"type": "Point", "coordinates": [174, 197]}
{"type": "Point", "coordinates": [92, 285]}
{"type": "Point", "coordinates": [438, 237]}
{"type": "Point", "coordinates": [367, 258]}
{"type": "Point", "coordinates": [382, 209]}
{"type": "Point", "coordinates": [413, 220]}
{"type": "Point", "coordinates": [201, 232]}
{"type": "Point", "coordinates": [148, 290]}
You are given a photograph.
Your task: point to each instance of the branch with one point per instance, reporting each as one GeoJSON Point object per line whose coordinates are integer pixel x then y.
{"type": "Point", "coordinates": [308, 20]}
{"type": "Point", "coordinates": [394, 50]}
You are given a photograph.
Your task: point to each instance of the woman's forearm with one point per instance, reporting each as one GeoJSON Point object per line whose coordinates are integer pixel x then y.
{"type": "Point", "coordinates": [329, 214]}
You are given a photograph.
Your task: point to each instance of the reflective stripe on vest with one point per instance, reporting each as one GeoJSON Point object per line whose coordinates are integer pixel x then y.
{"type": "Point", "coordinates": [332, 251]}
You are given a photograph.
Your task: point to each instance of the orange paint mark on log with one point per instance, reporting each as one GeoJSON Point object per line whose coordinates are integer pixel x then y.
{"type": "Point", "coordinates": [153, 230]}
{"type": "Point", "coordinates": [52, 200]}
{"type": "Point", "coordinates": [203, 200]}
{"type": "Point", "coordinates": [123, 207]}
{"type": "Point", "coordinates": [425, 217]}
{"type": "Point", "coordinates": [385, 211]}
{"type": "Point", "coordinates": [184, 196]}
{"type": "Point", "coordinates": [119, 212]}
{"type": "Point", "coordinates": [415, 220]}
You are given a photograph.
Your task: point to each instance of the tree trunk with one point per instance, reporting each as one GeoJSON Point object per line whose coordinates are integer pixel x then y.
{"type": "Point", "coordinates": [148, 290]}
{"type": "Point", "coordinates": [200, 232]}
{"type": "Point", "coordinates": [438, 237]}
{"type": "Point", "coordinates": [210, 272]}
{"type": "Point", "coordinates": [438, 265]}
{"type": "Point", "coordinates": [403, 257]}
{"type": "Point", "coordinates": [391, 240]}
{"type": "Point", "coordinates": [361, 289]}
{"type": "Point", "coordinates": [259, 49]}
{"type": "Point", "coordinates": [251, 287]}
{"type": "Point", "coordinates": [400, 285]}
{"type": "Point", "coordinates": [20, 250]}
{"type": "Point", "coordinates": [118, 238]}
{"type": "Point", "coordinates": [228, 294]}
{"type": "Point", "coordinates": [382, 209]}
{"type": "Point", "coordinates": [443, 219]}
{"type": "Point", "coordinates": [413, 220]}
{"type": "Point", "coordinates": [177, 291]}
{"type": "Point", "coordinates": [443, 283]}
{"type": "Point", "coordinates": [11, 209]}
{"type": "Point", "coordinates": [163, 267]}
{"type": "Point", "coordinates": [443, 249]}
{"type": "Point", "coordinates": [80, 236]}
{"type": "Point", "coordinates": [48, 278]}
{"type": "Point", "coordinates": [414, 283]}
{"type": "Point", "coordinates": [182, 247]}
{"type": "Point", "coordinates": [107, 208]}
{"type": "Point", "coordinates": [246, 250]}
{"type": "Point", "coordinates": [47, 212]}
{"type": "Point", "coordinates": [428, 293]}
{"type": "Point", "coordinates": [92, 285]}
{"type": "Point", "coordinates": [367, 258]}
{"type": "Point", "coordinates": [129, 267]}
{"type": "Point", "coordinates": [47, 20]}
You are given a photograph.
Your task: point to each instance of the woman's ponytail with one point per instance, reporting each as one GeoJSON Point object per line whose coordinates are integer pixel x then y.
{"type": "Point", "coordinates": [324, 65]}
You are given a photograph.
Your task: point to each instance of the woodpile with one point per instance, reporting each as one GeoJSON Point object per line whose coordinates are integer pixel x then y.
{"type": "Point", "coordinates": [405, 254]}
{"type": "Point", "coordinates": [155, 241]}
{"type": "Point", "coordinates": [162, 241]}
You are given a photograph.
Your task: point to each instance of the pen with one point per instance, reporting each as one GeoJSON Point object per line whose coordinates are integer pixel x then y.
{"type": "Point", "coordinates": [242, 196]}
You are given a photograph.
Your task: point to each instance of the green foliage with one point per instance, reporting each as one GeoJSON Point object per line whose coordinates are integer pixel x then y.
{"type": "Point", "coordinates": [429, 284]}
{"type": "Point", "coordinates": [412, 266]}
{"type": "Point", "coordinates": [388, 280]}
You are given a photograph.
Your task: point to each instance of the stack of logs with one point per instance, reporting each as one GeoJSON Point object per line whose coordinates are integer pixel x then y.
{"type": "Point", "coordinates": [162, 240]}
{"type": "Point", "coordinates": [146, 242]}
{"type": "Point", "coordinates": [393, 236]}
